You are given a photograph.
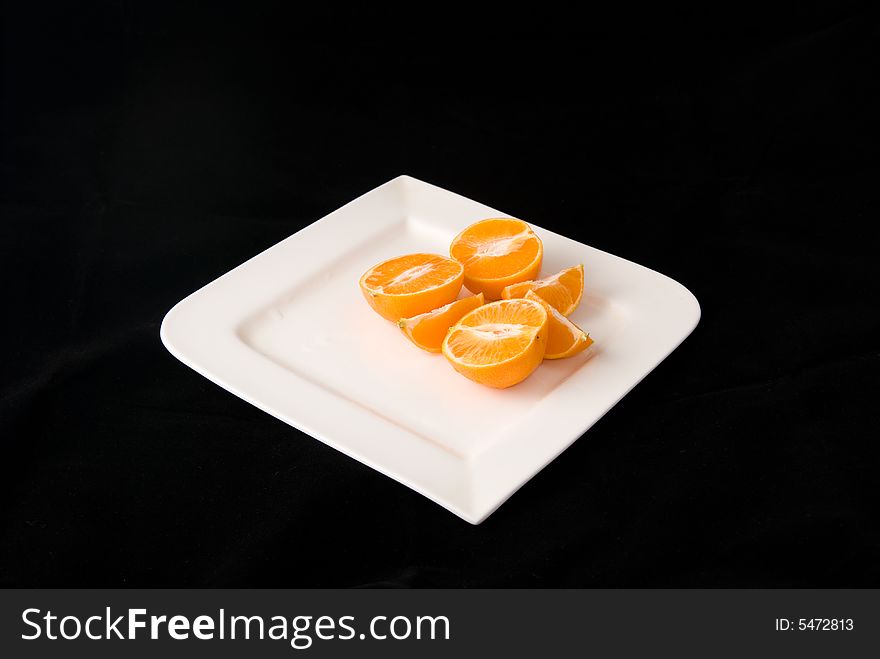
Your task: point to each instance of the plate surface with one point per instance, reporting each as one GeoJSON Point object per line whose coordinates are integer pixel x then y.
{"type": "Point", "coordinates": [289, 332]}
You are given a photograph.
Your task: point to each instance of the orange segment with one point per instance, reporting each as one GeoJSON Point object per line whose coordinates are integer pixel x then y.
{"type": "Point", "coordinates": [496, 253]}
{"type": "Point", "coordinates": [563, 290]}
{"type": "Point", "coordinates": [499, 344]}
{"type": "Point", "coordinates": [428, 330]}
{"type": "Point", "coordinates": [408, 285]}
{"type": "Point", "coordinates": [564, 338]}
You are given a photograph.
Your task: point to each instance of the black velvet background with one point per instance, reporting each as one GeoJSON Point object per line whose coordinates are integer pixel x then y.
{"type": "Point", "coordinates": [145, 153]}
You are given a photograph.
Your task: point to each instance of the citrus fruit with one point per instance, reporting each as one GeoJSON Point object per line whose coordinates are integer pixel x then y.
{"type": "Point", "coordinates": [499, 344]}
{"type": "Point", "coordinates": [495, 253]}
{"type": "Point", "coordinates": [564, 338]}
{"type": "Point", "coordinates": [563, 290]}
{"type": "Point", "coordinates": [408, 285]}
{"type": "Point", "coordinates": [427, 330]}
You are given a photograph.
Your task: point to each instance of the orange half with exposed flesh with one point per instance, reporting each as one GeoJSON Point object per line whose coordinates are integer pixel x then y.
{"type": "Point", "coordinates": [499, 344]}
{"type": "Point", "coordinates": [409, 285]}
{"type": "Point", "coordinates": [497, 252]}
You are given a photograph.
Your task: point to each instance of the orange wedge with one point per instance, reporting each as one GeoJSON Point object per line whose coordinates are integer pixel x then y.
{"type": "Point", "coordinates": [496, 253]}
{"type": "Point", "coordinates": [563, 290]}
{"type": "Point", "coordinates": [564, 338]}
{"type": "Point", "coordinates": [408, 285]}
{"type": "Point", "coordinates": [499, 344]}
{"type": "Point", "coordinates": [428, 330]}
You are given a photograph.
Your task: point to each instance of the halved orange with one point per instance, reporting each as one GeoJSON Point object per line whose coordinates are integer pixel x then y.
{"type": "Point", "coordinates": [563, 290]}
{"type": "Point", "coordinates": [499, 344]}
{"type": "Point", "coordinates": [497, 252]}
{"type": "Point", "coordinates": [428, 330]}
{"type": "Point", "coordinates": [564, 338]}
{"type": "Point", "coordinates": [408, 285]}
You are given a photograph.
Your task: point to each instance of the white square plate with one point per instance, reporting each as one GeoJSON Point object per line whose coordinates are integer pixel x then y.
{"type": "Point", "coordinates": [289, 332]}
